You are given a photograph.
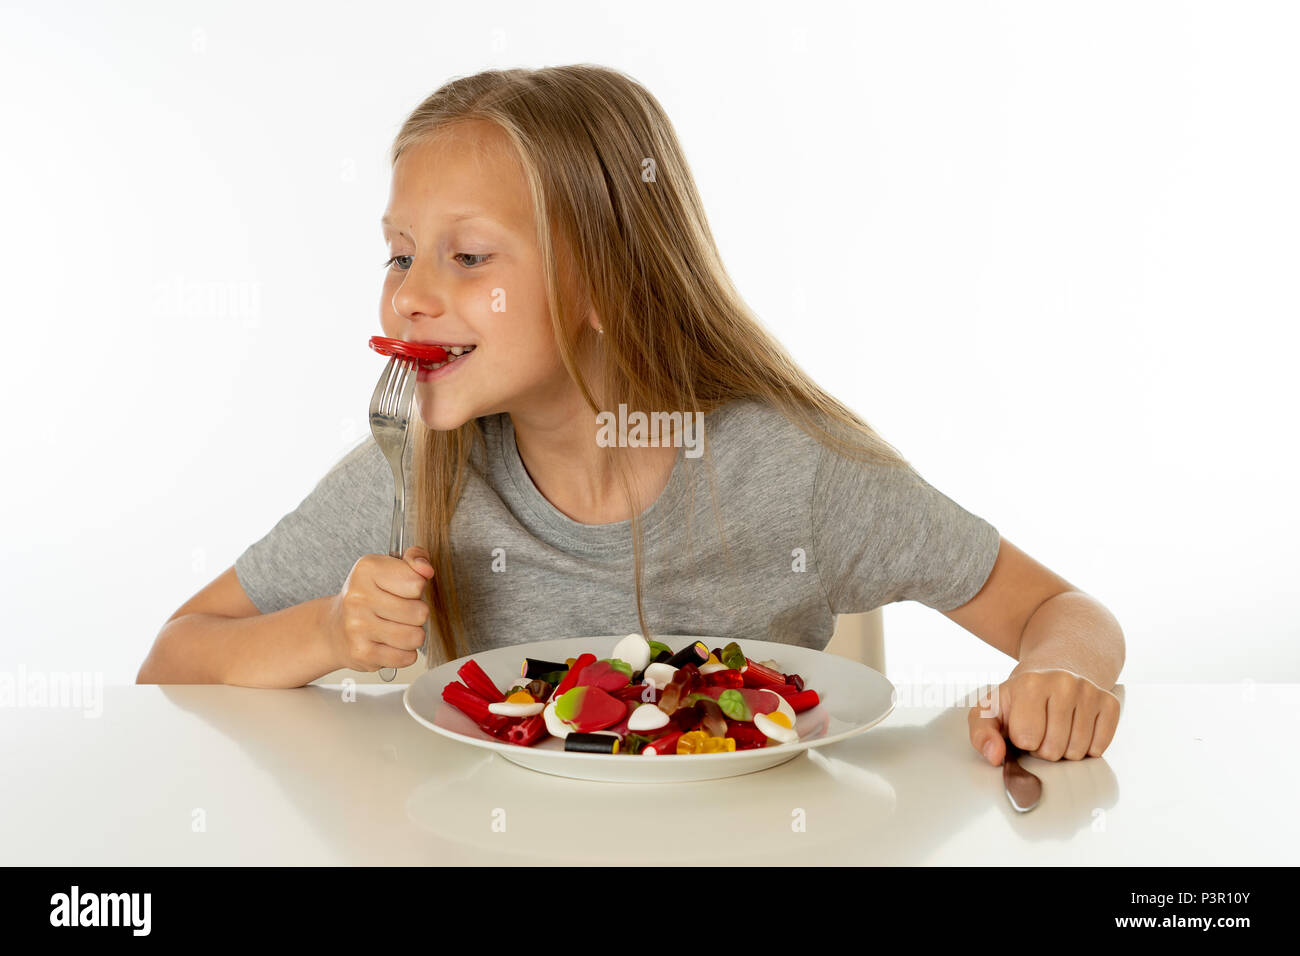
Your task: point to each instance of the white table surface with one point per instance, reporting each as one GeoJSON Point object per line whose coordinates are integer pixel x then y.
{"type": "Point", "coordinates": [1197, 775]}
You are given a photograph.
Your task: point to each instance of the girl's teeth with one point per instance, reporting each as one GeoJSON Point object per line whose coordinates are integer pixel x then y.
{"type": "Point", "coordinates": [454, 352]}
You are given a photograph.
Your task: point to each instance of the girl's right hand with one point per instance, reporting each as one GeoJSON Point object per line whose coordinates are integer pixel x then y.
{"type": "Point", "coordinates": [377, 620]}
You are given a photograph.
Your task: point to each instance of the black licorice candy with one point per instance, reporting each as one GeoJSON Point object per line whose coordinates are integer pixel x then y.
{"type": "Point", "coordinates": [534, 668]}
{"type": "Point", "coordinates": [695, 653]}
{"type": "Point", "coordinates": [592, 743]}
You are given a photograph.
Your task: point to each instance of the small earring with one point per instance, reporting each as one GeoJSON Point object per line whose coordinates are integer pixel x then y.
{"type": "Point", "coordinates": [601, 331]}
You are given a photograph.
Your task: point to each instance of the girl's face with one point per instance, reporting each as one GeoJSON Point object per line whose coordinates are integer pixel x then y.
{"type": "Point", "coordinates": [466, 270]}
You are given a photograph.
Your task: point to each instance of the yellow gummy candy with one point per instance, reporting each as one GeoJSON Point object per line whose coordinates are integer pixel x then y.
{"type": "Point", "coordinates": [702, 742]}
{"type": "Point", "coordinates": [520, 697]}
{"type": "Point", "coordinates": [692, 743]}
{"type": "Point", "coordinates": [777, 717]}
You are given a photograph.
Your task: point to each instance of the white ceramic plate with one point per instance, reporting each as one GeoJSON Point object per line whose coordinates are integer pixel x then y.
{"type": "Point", "coordinates": [854, 698]}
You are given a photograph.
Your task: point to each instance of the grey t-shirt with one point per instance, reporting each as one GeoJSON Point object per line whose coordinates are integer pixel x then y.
{"type": "Point", "coordinates": [808, 534]}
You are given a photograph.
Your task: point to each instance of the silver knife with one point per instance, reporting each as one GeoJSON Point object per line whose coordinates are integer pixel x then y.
{"type": "Point", "coordinates": [1022, 787]}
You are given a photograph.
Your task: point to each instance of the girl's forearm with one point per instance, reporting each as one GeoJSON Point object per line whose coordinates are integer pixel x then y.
{"type": "Point", "coordinates": [1076, 632]}
{"type": "Point", "coordinates": [286, 648]}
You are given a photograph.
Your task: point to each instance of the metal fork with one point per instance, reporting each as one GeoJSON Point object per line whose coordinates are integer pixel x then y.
{"type": "Point", "coordinates": [390, 409]}
{"type": "Point", "coordinates": [1023, 788]}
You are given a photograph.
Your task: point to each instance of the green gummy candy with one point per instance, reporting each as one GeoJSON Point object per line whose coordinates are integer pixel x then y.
{"type": "Point", "coordinates": [733, 704]}
{"type": "Point", "coordinates": [656, 648]}
{"type": "Point", "coordinates": [570, 703]}
{"type": "Point", "coordinates": [614, 663]}
{"type": "Point", "coordinates": [733, 656]}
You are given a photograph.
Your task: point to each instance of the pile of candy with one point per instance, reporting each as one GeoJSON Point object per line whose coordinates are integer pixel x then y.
{"type": "Point", "coordinates": [642, 699]}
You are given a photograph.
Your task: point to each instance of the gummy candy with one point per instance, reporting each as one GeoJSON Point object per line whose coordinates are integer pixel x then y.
{"type": "Point", "coordinates": [608, 675]}
{"type": "Point", "coordinates": [712, 719]}
{"type": "Point", "coordinates": [699, 742]}
{"type": "Point", "coordinates": [726, 678]}
{"type": "Point", "coordinates": [589, 708]}
{"type": "Point", "coordinates": [692, 742]}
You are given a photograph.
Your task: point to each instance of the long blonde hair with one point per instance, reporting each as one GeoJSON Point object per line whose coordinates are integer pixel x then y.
{"type": "Point", "coordinates": [617, 208]}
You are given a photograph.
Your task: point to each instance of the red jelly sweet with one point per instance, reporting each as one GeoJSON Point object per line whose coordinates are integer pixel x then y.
{"type": "Point", "coordinates": [638, 693]}
{"type": "Point", "coordinates": [589, 708]}
{"type": "Point", "coordinates": [758, 700]}
{"type": "Point", "coordinates": [687, 717]}
{"type": "Point", "coordinates": [604, 675]}
{"type": "Point", "coordinates": [725, 678]}
{"type": "Point", "coordinates": [746, 736]}
{"type": "Point", "coordinates": [620, 728]}
{"type": "Point", "coordinates": [403, 349]}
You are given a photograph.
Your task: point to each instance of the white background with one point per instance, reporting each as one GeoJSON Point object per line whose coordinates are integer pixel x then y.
{"type": "Point", "coordinates": [1048, 250]}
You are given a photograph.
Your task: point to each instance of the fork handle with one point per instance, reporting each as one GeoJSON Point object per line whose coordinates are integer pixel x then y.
{"type": "Point", "coordinates": [395, 550]}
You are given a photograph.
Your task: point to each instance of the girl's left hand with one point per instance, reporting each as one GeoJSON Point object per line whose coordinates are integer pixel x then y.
{"type": "Point", "coordinates": [1048, 713]}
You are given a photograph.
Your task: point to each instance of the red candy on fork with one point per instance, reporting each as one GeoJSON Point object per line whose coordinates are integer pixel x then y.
{"type": "Point", "coordinates": [403, 349]}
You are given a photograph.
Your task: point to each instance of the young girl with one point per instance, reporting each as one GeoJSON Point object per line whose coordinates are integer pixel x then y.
{"type": "Point", "coordinates": [544, 227]}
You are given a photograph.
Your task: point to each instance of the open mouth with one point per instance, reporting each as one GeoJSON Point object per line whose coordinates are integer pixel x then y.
{"type": "Point", "coordinates": [454, 352]}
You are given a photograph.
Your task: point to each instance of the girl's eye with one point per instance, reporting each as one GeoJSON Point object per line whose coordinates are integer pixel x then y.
{"type": "Point", "coordinates": [480, 259]}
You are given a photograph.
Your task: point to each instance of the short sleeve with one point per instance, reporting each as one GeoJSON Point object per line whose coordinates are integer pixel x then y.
{"type": "Point", "coordinates": [311, 550]}
{"type": "Point", "coordinates": [883, 534]}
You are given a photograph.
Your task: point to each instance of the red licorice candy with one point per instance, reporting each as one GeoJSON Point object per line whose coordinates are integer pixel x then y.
{"type": "Point", "coordinates": [465, 700]}
{"type": "Point", "coordinates": [804, 700]}
{"type": "Point", "coordinates": [667, 744]}
{"type": "Point", "coordinates": [477, 680]}
{"type": "Point", "coordinates": [526, 731]}
{"type": "Point", "coordinates": [785, 690]}
{"type": "Point", "coordinates": [571, 678]}
{"type": "Point", "coordinates": [496, 724]}
{"type": "Point", "coordinates": [756, 675]}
